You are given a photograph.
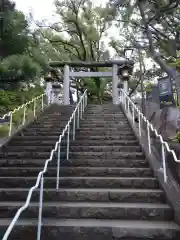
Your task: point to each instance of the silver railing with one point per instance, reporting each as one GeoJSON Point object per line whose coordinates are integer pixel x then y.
{"type": "Point", "coordinates": [132, 110]}
{"type": "Point", "coordinates": [23, 112]}
{"type": "Point", "coordinates": [74, 120]}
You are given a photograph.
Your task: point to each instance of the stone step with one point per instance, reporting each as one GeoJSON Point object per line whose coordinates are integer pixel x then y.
{"type": "Point", "coordinates": [24, 155]}
{"type": "Point", "coordinates": [34, 138]}
{"type": "Point", "coordinates": [78, 137]}
{"type": "Point", "coordinates": [25, 163]}
{"type": "Point", "coordinates": [108, 131]}
{"type": "Point", "coordinates": [81, 182]}
{"type": "Point", "coordinates": [86, 194]}
{"type": "Point", "coordinates": [96, 210]}
{"type": "Point", "coordinates": [90, 142]}
{"type": "Point", "coordinates": [105, 171]}
{"type": "Point", "coordinates": [41, 148]}
{"type": "Point", "coordinates": [104, 113]}
{"type": "Point", "coordinates": [102, 137]}
{"type": "Point", "coordinates": [103, 124]}
{"type": "Point", "coordinates": [106, 162]}
{"type": "Point", "coordinates": [105, 155]}
{"type": "Point", "coordinates": [122, 121]}
{"type": "Point", "coordinates": [88, 229]}
{"type": "Point", "coordinates": [28, 163]}
{"type": "Point", "coordinates": [43, 133]}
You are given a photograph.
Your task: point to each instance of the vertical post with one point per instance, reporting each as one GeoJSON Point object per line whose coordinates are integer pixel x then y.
{"type": "Point", "coordinates": [34, 107]}
{"type": "Point", "coordinates": [42, 101]}
{"type": "Point", "coordinates": [164, 162]}
{"type": "Point", "coordinates": [78, 117]}
{"type": "Point", "coordinates": [24, 115]}
{"type": "Point", "coordinates": [74, 125]}
{"type": "Point", "coordinates": [58, 164]}
{"type": "Point", "coordinates": [125, 87]}
{"type": "Point", "coordinates": [40, 208]}
{"type": "Point", "coordinates": [66, 85]}
{"type": "Point", "coordinates": [10, 124]}
{"type": "Point", "coordinates": [67, 150]}
{"type": "Point", "coordinates": [115, 95]}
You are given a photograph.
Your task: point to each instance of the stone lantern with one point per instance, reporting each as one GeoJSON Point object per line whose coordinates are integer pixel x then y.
{"type": "Point", "coordinates": [56, 89]}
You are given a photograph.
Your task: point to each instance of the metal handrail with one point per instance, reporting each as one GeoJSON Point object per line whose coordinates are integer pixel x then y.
{"type": "Point", "coordinates": [79, 109]}
{"type": "Point", "coordinates": [164, 145]}
{"type": "Point", "coordinates": [24, 107]}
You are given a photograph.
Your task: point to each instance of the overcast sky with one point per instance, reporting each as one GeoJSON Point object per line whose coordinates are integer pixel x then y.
{"type": "Point", "coordinates": [42, 9]}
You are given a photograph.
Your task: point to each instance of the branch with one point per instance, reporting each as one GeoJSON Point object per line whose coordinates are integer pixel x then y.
{"type": "Point", "coordinates": [78, 29]}
{"type": "Point", "coordinates": [155, 55]}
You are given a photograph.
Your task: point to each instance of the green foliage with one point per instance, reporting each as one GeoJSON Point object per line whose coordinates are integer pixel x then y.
{"type": "Point", "coordinates": [176, 138]}
{"type": "Point", "coordinates": [12, 99]}
{"type": "Point", "coordinates": [4, 130]}
{"type": "Point", "coordinates": [19, 68]}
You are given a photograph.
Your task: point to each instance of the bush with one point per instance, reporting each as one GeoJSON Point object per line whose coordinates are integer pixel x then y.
{"type": "Point", "coordinates": [4, 130]}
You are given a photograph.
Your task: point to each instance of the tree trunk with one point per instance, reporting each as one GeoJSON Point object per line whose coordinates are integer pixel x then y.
{"type": "Point", "coordinates": [152, 50]}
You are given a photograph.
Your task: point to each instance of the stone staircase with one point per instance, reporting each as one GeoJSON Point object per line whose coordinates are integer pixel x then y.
{"type": "Point", "coordinates": [106, 191]}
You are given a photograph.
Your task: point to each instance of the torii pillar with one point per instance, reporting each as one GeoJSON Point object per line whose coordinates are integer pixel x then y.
{"type": "Point", "coordinates": [66, 84]}
{"type": "Point", "coordinates": [115, 93]}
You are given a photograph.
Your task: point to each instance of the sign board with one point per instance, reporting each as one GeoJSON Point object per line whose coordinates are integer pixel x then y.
{"type": "Point", "coordinates": [4, 120]}
{"type": "Point", "coordinates": [166, 97]}
{"type": "Point", "coordinates": [153, 95]}
{"type": "Point", "coordinates": [177, 83]}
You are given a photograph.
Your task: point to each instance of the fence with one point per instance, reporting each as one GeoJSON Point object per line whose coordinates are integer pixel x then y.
{"type": "Point", "coordinates": [133, 111]}
{"type": "Point", "coordinates": [74, 123]}
{"type": "Point", "coordinates": [17, 118]}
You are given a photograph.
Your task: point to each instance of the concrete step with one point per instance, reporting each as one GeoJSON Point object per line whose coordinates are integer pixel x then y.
{"type": "Point", "coordinates": [34, 138]}
{"type": "Point", "coordinates": [106, 162]}
{"type": "Point", "coordinates": [104, 171]}
{"type": "Point", "coordinates": [43, 133]}
{"type": "Point", "coordinates": [25, 155]}
{"type": "Point", "coordinates": [81, 182]}
{"type": "Point", "coordinates": [87, 210]}
{"type": "Point", "coordinates": [34, 163]}
{"type": "Point", "coordinates": [105, 155]}
{"type": "Point", "coordinates": [19, 163]}
{"type": "Point", "coordinates": [103, 113]}
{"type": "Point", "coordinates": [41, 148]}
{"type": "Point", "coordinates": [102, 137]}
{"type": "Point", "coordinates": [104, 124]}
{"type": "Point", "coordinates": [103, 131]}
{"type": "Point", "coordinates": [90, 142]}
{"type": "Point", "coordinates": [86, 194]}
{"type": "Point", "coordinates": [88, 229]}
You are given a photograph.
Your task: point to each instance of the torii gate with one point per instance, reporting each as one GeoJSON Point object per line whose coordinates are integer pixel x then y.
{"type": "Point", "coordinates": [114, 64]}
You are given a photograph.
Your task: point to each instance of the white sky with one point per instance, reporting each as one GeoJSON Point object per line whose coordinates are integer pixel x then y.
{"type": "Point", "coordinates": [44, 10]}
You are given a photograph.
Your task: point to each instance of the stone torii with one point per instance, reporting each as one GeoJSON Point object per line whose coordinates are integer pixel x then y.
{"type": "Point", "coordinates": [113, 64]}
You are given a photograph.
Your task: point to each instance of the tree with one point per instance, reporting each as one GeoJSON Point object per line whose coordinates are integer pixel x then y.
{"type": "Point", "coordinates": [151, 18]}
{"type": "Point", "coordinates": [79, 34]}
{"type": "Point", "coordinates": [16, 64]}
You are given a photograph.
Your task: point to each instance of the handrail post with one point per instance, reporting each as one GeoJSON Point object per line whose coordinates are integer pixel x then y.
{"type": "Point", "coordinates": [10, 124]}
{"type": "Point", "coordinates": [149, 138]}
{"type": "Point", "coordinates": [67, 150]}
{"type": "Point", "coordinates": [81, 109]}
{"type": "Point", "coordinates": [40, 208]}
{"type": "Point", "coordinates": [58, 164]}
{"type": "Point", "coordinates": [78, 118]}
{"type": "Point", "coordinates": [133, 114]}
{"type": "Point", "coordinates": [139, 120]}
{"type": "Point", "coordinates": [164, 162]}
{"type": "Point", "coordinates": [42, 102]}
{"type": "Point", "coordinates": [74, 126]}
{"type": "Point", "coordinates": [34, 109]}
{"type": "Point", "coordinates": [24, 115]}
